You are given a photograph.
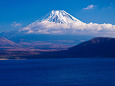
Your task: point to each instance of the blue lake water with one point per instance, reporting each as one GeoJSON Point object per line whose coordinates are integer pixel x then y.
{"type": "Point", "coordinates": [58, 72]}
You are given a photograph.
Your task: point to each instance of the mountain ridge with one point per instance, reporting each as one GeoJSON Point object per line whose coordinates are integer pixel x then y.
{"type": "Point", "coordinates": [7, 43]}
{"type": "Point", "coordinates": [96, 47]}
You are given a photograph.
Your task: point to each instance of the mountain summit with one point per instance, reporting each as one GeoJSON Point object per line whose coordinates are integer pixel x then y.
{"type": "Point", "coordinates": [56, 21]}
{"type": "Point", "coordinates": [60, 16]}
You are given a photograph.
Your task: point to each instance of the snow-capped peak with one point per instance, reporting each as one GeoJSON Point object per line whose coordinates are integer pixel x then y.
{"type": "Point", "coordinates": [60, 16]}
{"type": "Point", "coordinates": [52, 22]}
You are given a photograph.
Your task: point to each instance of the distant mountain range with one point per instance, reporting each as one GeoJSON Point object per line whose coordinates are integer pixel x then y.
{"type": "Point", "coordinates": [4, 43]}
{"type": "Point", "coordinates": [45, 41]}
{"type": "Point", "coordinates": [97, 47]}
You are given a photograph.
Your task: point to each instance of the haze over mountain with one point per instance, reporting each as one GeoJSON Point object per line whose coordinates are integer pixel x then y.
{"type": "Point", "coordinates": [5, 43]}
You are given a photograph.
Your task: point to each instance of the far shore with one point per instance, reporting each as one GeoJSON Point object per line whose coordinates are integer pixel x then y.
{"type": "Point", "coordinates": [4, 59]}
{"type": "Point", "coordinates": [10, 59]}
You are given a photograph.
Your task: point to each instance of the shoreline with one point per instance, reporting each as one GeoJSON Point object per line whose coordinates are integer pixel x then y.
{"type": "Point", "coordinates": [4, 59]}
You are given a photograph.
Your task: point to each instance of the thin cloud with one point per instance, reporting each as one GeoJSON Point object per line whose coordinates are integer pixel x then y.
{"type": "Point", "coordinates": [89, 7]}
{"type": "Point", "coordinates": [111, 3]}
{"type": "Point", "coordinates": [15, 24]}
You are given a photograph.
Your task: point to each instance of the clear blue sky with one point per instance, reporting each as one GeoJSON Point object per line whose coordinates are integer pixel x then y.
{"type": "Point", "coordinates": [27, 11]}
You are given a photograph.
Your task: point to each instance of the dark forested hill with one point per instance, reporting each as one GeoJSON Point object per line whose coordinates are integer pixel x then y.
{"type": "Point", "coordinates": [96, 47]}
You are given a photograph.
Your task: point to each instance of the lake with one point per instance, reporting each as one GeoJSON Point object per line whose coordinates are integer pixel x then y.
{"type": "Point", "coordinates": [58, 72]}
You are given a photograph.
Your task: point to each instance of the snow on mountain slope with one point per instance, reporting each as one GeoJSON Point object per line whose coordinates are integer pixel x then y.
{"type": "Point", "coordinates": [60, 16]}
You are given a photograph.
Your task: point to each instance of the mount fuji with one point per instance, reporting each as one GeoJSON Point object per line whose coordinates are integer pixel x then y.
{"type": "Point", "coordinates": [60, 16]}
{"type": "Point", "coordinates": [55, 22]}
{"type": "Point", "coordinates": [55, 31]}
